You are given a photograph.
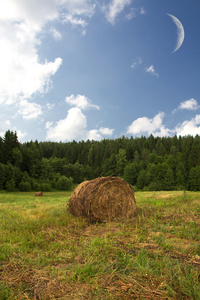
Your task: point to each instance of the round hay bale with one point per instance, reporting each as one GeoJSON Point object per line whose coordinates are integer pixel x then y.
{"type": "Point", "coordinates": [38, 194]}
{"type": "Point", "coordinates": [103, 199]}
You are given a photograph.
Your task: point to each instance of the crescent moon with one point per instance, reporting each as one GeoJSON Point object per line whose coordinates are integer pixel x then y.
{"type": "Point", "coordinates": [180, 32]}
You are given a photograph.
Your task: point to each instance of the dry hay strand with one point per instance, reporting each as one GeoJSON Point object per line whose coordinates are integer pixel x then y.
{"type": "Point", "coordinates": [39, 194]}
{"type": "Point", "coordinates": [103, 199]}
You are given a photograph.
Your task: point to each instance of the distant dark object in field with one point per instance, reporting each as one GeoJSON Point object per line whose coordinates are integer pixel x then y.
{"type": "Point", "coordinates": [38, 194]}
{"type": "Point", "coordinates": [103, 199]}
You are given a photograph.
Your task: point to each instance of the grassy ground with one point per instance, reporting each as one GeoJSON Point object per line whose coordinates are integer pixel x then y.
{"type": "Point", "coordinates": [45, 253]}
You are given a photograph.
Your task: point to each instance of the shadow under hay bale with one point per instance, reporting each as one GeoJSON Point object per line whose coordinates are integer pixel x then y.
{"type": "Point", "coordinates": [103, 199]}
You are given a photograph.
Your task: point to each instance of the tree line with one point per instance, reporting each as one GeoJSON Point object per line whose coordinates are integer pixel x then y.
{"type": "Point", "coordinates": [147, 163]}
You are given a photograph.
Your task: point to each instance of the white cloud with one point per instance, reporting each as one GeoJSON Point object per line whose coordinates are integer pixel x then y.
{"type": "Point", "coordinates": [142, 11]}
{"type": "Point", "coordinates": [71, 128]}
{"type": "Point", "coordinates": [74, 126]}
{"type": "Point", "coordinates": [75, 21]}
{"type": "Point", "coordinates": [29, 111]}
{"type": "Point", "coordinates": [115, 8]}
{"type": "Point", "coordinates": [131, 14]}
{"type": "Point", "coordinates": [21, 135]}
{"type": "Point", "coordinates": [5, 124]}
{"type": "Point", "coordinates": [33, 13]}
{"type": "Point", "coordinates": [50, 106]}
{"type": "Point", "coordinates": [97, 134]}
{"type": "Point", "coordinates": [106, 131]}
{"type": "Point", "coordinates": [56, 34]}
{"type": "Point", "coordinates": [134, 11]}
{"type": "Point", "coordinates": [80, 101]}
{"type": "Point", "coordinates": [136, 62]}
{"type": "Point", "coordinates": [21, 73]}
{"type": "Point", "coordinates": [156, 127]}
{"type": "Point", "coordinates": [191, 127]}
{"type": "Point", "coordinates": [190, 104]}
{"type": "Point", "coordinates": [94, 135]}
{"type": "Point", "coordinates": [149, 126]}
{"type": "Point", "coordinates": [79, 7]}
{"type": "Point", "coordinates": [151, 70]}
{"type": "Point", "coordinates": [77, 11]}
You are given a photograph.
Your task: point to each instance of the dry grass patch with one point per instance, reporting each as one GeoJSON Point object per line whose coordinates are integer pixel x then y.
{"type": "Point", "coordinates": [46, 253]}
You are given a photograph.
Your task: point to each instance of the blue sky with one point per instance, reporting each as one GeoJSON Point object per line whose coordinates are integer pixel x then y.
{"type": "Point", "coordinates": [91, 69]}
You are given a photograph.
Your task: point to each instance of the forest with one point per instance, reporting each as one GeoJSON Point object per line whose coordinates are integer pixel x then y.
{"type": "Point", "coordinates": [147, 163]}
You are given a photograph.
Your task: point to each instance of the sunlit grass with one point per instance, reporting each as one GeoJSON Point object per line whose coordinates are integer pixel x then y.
{"type": "Point", "coordinates": [46, 253]}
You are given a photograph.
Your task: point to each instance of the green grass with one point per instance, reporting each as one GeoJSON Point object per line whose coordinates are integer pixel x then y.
{"type": "Point", "coordinates": [46, 253]}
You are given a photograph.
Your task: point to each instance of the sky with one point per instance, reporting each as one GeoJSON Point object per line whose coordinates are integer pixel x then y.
{"type": "Point", "coordinates": [95, 69]}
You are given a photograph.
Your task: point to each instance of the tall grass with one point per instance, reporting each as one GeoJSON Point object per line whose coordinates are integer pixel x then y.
{"type": "Point", "coordinates": [46, 253]}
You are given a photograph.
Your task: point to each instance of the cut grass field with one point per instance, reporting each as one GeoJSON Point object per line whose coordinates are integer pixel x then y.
{"type": "Point", "coordinates": [46, 253]}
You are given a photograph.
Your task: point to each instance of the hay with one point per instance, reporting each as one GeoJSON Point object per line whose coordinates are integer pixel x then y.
{"type": "Point", "coordinates": [103, 199]}
{"type": "Point", "coordinates": [39, 194]}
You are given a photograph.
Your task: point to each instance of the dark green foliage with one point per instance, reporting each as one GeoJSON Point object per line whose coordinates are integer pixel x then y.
{"type": "Point", "coordinates": [76, 171]}
{"type": "Point", "coordinates": [24, 186]}
{"type": "Point", "coordinates": [32, 159]}
{"type": "Point", "coordinates": [142, 180]}
{"type": "Point", "coordinates": [2, 176]}
{"type": "Point", "coordinates": [151, 163]}
{"type": "Point", "coordinates": [64, 183]}
{"type": "Point", "coordinates": [120, 162]}
{"type": "Point", "coordinates": [10, 142]}
{"type": "Point", "coordinates": [109, 166]}
{"type": "Point", "coordinates": [10, 185]}
{"type": "Point", "coordinates": [194, 179]}
{"type": "Point", "coordinates": [44, 186]}
{"type": "Point", "coordinates": [131, 173]}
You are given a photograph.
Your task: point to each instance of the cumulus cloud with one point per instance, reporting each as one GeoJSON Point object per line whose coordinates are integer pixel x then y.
{"type": "Point", "coordinates": [21, 73]}
{"type": "Point", "coordinates": [20, 134]}
{"type": "Point", "coordinates": [29, 111]}
{"type": "Point", "coordinates": [57, 35]}
{"type": "Point", "coordinates": [94, 135]}
{"type": "Point", "coordinates": [156, 127]}
{"type": "Point", "coordinates": [5, 124]}
{"type": "Point", "coordinates": [151, 70]}
{"type": "Point", "coordinates": [74, 127]}
{"type": "Point", "coordinates": [50, 106]}
{"type": "Point", "coordinates": [113, 9]}
{"type": "Point", "coordinates": [98, 134]}
{"type": "Point", "coordinates": [190, 104]}
{"type": "Point", "coordinates": [191, 127]}
{"type": "Point", "coordinates": [80, 101]}
{"type": "Point", "coordinates": [79, 7]}
{"type": "Point", "coordinates": [148, 126]}
{"type": "Point", "coordinates": [75, 21]}
{"type": "Point", "coordinates": [70, 128]}
{"type": "Point", "coordinates": [76, 13]}
{"type": "Point", "coordinates": [27, 12]}
{"type": "Point", "coordinates": [106, 131]}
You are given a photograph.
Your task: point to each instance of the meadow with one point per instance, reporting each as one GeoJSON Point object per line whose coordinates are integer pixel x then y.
{"type": "Point", "coordinates": [46, 253]}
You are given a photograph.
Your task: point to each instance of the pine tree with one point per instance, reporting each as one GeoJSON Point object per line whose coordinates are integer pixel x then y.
{"type": "Point", "coordinates": [10, 141]}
